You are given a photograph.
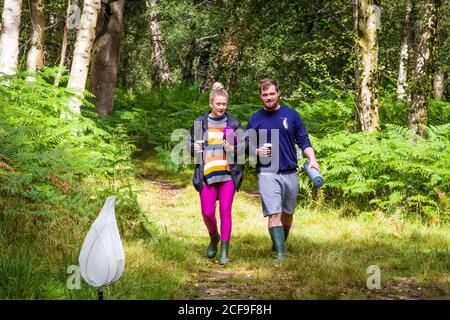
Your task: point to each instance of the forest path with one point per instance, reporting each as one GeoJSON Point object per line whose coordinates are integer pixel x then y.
{"type": "Point", "coordinates": [328, 255]}
{"type": "Point", "coordinates": [209, 279]}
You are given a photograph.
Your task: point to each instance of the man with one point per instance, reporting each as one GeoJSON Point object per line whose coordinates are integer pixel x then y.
{"type": "Point", "coordinates": [278, 129]}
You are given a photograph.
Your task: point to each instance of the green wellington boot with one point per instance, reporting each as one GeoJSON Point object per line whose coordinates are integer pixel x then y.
{"type": "Point", "coordinates": [224, 251]}
{"type": "Point", "coordinates": [212, 248]}
{"type": "Point", "coordinates": [286, 233]}
{"type": "Point", "coordinates": [277, 235]}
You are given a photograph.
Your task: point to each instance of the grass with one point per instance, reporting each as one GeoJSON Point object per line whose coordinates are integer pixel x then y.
{"type": "Point", "coordinates": [329, 252]}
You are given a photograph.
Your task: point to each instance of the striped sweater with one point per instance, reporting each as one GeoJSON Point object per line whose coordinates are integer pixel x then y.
{"type": "Point", "coordinates": [216, 167]}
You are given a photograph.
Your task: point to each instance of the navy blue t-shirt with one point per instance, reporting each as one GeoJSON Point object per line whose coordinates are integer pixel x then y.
{"type": "Point", "coordinates": [290, 130]}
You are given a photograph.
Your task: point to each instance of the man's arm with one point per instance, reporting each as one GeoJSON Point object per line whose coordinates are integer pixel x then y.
{"type": "Point", "coordinates": [302, 140]}
{"type": "Point", "coordinates": [309, 153]}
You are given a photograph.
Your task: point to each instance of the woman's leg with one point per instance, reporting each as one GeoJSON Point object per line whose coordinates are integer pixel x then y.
{"type": "Point", "coordinates": [226, 196]}
{"type": "Point", "coordinates": [208, 197]}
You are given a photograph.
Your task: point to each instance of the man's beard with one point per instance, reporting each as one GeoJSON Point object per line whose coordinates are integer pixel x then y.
{"type": "Point", "coordinates": [271, 106]}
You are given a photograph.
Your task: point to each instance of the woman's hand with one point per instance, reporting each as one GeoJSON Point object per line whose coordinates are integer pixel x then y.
{"type": "Point", "coordinates": [228, 146]}
{"type": "Point", "coordinates": [198, 148]}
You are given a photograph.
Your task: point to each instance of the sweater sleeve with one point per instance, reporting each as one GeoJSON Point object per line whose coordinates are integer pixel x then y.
{"type": "Point", "coordinates": [301, 135]}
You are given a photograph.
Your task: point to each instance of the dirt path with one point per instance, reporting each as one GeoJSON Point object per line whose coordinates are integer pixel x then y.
{"type": "Point", "coordinates": [207, 283]}
{"type": "Point", "coordinates": [210, 281]}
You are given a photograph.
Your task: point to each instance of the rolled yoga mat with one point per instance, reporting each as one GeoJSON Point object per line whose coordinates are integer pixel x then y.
{"type": "Point", "coordinates": [314, 175]}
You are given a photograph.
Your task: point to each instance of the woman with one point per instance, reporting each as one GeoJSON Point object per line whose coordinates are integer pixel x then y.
{"type": "Point", "coordinates": [217, 176]}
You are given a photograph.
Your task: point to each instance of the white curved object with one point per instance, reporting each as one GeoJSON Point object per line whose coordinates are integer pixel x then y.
{"type": "Point", "coordinates": [102, 258]}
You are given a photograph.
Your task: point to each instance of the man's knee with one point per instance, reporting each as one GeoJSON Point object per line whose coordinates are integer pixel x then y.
{"type": "Point", "coordinates": [275, 217]}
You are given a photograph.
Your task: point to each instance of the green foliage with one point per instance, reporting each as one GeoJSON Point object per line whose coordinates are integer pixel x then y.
{"type": "Point", "coordinates": [392, 170]}
{"type": "Point", "coordinates": [50, 165]}
{"type": "Point", "coordinates": [324, 115]}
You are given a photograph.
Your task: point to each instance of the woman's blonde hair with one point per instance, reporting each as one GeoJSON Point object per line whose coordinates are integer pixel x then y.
{"type": "Point", "coordinates": [217, 90]}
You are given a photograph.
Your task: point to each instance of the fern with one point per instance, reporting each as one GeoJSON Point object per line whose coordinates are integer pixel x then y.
{"type": "Point", "coordinates": [46, 161]}
{"type": "Point", "coordinates": [388, 170]}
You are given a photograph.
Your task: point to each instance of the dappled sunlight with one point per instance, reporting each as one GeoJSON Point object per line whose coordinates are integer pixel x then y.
{"type": "Point", "coordinates": [328, 255]}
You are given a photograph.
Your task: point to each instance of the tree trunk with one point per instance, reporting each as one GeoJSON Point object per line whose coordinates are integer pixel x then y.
{"type": "Point", "coordinates": [35, 58]}
{"type": "Point", "coordinates": [9, 36]}
{"type": "Point", "coordinates": [438, 85]}
{"type": "Point", "coordinates": [424, 52]}
{"type": "Point", "coordinates": [82, 53]}
{"type": "Point", "coordinates": [65, 42]}
{"type": "Point", "coordinates": [162, 73]}
{"type": "Point", "coordinates": [105, 58]}
{"type": "Point", "coordinates": [62, 60]}
{"type": "Point", "coordinates": [440, 74]}
{"type": "Point", "coordinates": [404, 53]}
{"type": "Point", "coordinates": [367, 65]}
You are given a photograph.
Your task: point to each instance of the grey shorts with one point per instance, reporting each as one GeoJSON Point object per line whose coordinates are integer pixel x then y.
{"type": "Point", "coordinates": [278, 192]}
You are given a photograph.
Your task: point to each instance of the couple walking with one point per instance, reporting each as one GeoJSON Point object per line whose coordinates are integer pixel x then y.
{"type": "Point", "coordinates": [217, 140]}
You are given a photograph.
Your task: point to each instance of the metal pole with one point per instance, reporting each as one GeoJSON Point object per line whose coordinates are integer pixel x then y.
{"type": "Point", "coordinates": [100, 293]}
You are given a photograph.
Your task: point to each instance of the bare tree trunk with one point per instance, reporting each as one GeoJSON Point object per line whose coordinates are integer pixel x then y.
{"type": "Point", "coordinates": [438, 85]}
{"type": "Point", "coordinates": [9, 36]}
{"type": "Point", "coordinates": [35, 58]}
{"type": "Point", "coordinates": [65, 42]}
{"type": "Point", "coordinates": [367, 65]}
{"type": "Point", "coordinates": [105, 57]}
{"type": "Point", "coordinates": [162, 73]}
{"type": "Point", "coordinates": [404, 53]}
{"type": "Point", "coordinates": [62, 60]}
{"type": "Point", "coordinates": [424, 52]}
{"type": "Point", "coordinates": [82, 53]}
{"type": "Point", "coordinates": [440, 74]}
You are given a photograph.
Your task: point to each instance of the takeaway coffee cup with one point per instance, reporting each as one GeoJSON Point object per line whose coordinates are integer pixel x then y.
{"type": "Point", "coordinates": [201, 144]}
{"type": "Point", "coordinates": [268, 145]}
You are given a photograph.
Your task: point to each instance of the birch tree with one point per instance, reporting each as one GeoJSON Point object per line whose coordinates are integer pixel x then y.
{"type": "Point", "coordinates": [9, 36]}
{"type": "Point", "coordinates": [162, 73]}
{"type": "Point", "coordinates": [72, 21]}
{"type": "Point", "coordinates": [440, 73]}
{"type": "Point", "coordinates": [404, 54]}
{"type": "Point", "coordinates": [424, 53]}
{"type": "Point", "coordinates": [35, 57]}
{"type": "Point", "coordinates": [82, 53]}
{"type": "Point", "coordinates": [367, 14]}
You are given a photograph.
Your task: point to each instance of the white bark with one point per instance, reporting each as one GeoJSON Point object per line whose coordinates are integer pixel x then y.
{"type": "Point", "coordinates": [367, 65]}
{"type": "Point", "coordinates": [425, 48]}
{"type": "Point", "coordinates": [62, 60]}
{"type": "Point", "coordinates": [438, 85]}
{"type": "Point", "coordinates": [65, 42]}
{"type": "Point", "coordinates": [9, 36]}
{"type": "Point", "coordinates": [35, 57]}
{"type": "Point", "coordinates": [403, 64]}
{"type": "Point", "coordinates": [82, 53]}
{"type": "Point", "coordinates": [158, 52]}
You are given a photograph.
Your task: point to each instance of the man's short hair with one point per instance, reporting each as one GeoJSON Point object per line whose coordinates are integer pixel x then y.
{"type": "Point", "coordinates": [267, 82]}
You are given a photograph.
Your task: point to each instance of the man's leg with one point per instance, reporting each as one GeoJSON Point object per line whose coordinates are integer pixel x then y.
{"type": "Point", "coordinates": [270, 191]}
{"type": "Point", "coordinates": [276, 231]}
{"type": "Point", "coordinates": [286, 220]}
{"type": "Point", "coordinates": [289, 194]}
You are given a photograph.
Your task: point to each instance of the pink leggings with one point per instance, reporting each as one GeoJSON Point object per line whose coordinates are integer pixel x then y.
{"type": "Point", "coordinates": [224, 191]}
